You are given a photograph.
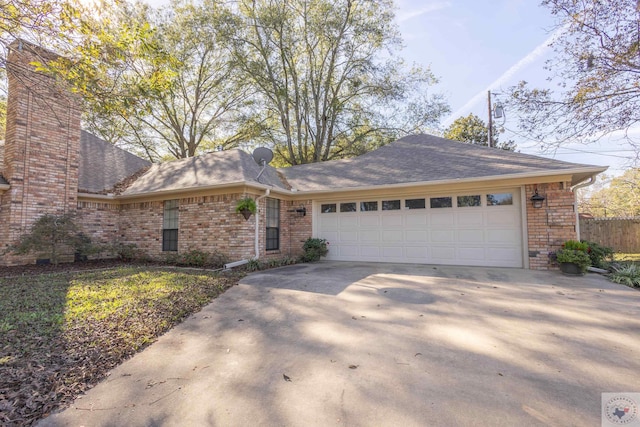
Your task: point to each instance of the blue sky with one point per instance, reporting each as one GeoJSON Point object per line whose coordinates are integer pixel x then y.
{"type": "Point", "coordinates": [476, 45]}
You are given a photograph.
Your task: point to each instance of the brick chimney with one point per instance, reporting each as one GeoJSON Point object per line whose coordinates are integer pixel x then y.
{"type": "Point", "coordinates": [42, 146]}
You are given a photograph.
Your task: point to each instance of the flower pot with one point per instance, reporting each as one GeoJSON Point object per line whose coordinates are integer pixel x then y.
{"type": "Point", "coordinates": [571, 269]}
{"type": "Point", "coordinates": [246, 213]}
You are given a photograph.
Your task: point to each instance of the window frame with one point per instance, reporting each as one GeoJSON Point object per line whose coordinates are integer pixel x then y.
{"type": "Point", "coordinates": [170, 225]}
{"type": "Point", "coordinates": [271, 217]}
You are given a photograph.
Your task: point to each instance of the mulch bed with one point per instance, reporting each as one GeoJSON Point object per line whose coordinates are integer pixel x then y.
{"type": "Point", "coordinates": [72, 267]}
{"type": "Point", "coordinates": [44, 372]}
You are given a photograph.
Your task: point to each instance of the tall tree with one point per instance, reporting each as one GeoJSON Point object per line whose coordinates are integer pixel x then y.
{"type": "Point", "coordinates": [328, 82]}
{"type": "Point", "coordinates": [597, 67]}
{"type": "Point", "coordinates": [473, 130]}
{"type": "Point", "coordinates": [621, 198]}
{"type": "Point", "coordinates": [161, 83]}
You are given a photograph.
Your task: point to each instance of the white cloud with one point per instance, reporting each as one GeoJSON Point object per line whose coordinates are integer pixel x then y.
{"type": "Point", "coordinates": [405, 15]}
{"type": "Point", "coordinates": [506, 77]}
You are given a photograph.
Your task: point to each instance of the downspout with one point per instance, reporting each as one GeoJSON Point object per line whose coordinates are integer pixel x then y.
{"type": "Point", "coordinates": [592, 179]}
{"type": "Point", "coordinates": [257, 233]}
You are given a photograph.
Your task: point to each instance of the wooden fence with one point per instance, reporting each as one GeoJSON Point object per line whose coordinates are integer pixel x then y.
{"type": "Point", "coordinates": [621, 234]}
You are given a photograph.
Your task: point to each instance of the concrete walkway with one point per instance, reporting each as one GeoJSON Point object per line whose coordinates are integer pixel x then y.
{"type": "Point", "coordinates": [359, 344]}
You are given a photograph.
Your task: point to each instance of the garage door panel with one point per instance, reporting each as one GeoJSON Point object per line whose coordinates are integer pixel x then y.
{"type": "Point", "coordinates": [348, 236]}
{"type": "Point", "coordinates": [471, 253]}
{"type": "Point", "coordinates": [369, 220]}
{"type": "Point", "coordinates": [349, 221]}
{"type": "Point", "coordinates": [370, 251]}
{"type": "Point", "coordinates": [503, 217]}
{"type": "Point", "coordinates": [328, 222]}
{"type": "Point", "coordinates": [348, 251]}
{"type": "Point", "coordinates": [470, 235]}
{"type": "Point", "coordinates": [412, 219]}
{"type": "Point", "coordinates": [443, 236]}
{"type": "Point", "coordinates": [392, 236]}
{"type": "Point", "coordinates": [368, 236]}
{"type": "Point", "coordinates": [418, 253]}
{"type": "Point", "coordinates": [393, 251]}
{"type": "Point", "coordinates": [472, 218]}
{"type": "Point", "coordinates": [442, 219]}
{"type": "Point", "coordinates": [392, 221]}
{"type": "Point", "coordinates": [445, 254]}
{"type": "Point", "coordinates": [416, 236]}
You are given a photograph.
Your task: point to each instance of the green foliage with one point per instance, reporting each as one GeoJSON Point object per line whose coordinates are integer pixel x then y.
{"type": "Point", "coordinates": [52, 237]}
{"type": "Point", "coordinates": [246, 203]}
{"type": "Point", "coordinates": [125, 251]}
{"type": "Point", "coordinates": [621, 198]}
{"type": "Point", "coordinates": [327, 79]}
{"type": "Point", "coordinates": [314, 249]}
{"type": "Point", "coordinates": [196, 258]}
{"type": "Point", "coordinates": [574, 256]}
{"type": "Point", "coordinates": [595, 72]}
{"type": "Point", "coordinates": [628, 275]}
{"type": "Point", "coordinates": [66, 331]}
{"type": "Point", "coordinates": [576, 245]}
{"type": "Point", "coordinates": [473, 130]}
{"type": "Point", "coordinates": [600, 255]}
{"type": "Point", "coordinates": [265, 264]}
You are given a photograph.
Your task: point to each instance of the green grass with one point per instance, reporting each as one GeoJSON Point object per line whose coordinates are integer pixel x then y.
{"type": "Point", "coordinates": [61, 333]}
{"type": "Point", "coordinates": [626, 257]}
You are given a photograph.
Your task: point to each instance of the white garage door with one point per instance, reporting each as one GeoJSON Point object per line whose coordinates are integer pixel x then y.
{"type": "Point", "coordinates": [472, 228]}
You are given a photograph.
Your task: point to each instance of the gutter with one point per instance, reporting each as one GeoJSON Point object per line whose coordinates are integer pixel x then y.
{"type": "Point", "coordinates": [592, 179]}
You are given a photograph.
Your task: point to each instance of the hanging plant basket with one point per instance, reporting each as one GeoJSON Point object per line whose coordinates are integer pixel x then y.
{"type": "Point", "coordinates": [246, 207]}
{"type": "Point", "coordinates": [246, 213]}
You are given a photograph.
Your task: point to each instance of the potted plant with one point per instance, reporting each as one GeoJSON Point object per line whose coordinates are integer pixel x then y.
{"type": "Point", "coordinates": [573, 257]}
{"type": "Point", "coordinates": [246, 207]}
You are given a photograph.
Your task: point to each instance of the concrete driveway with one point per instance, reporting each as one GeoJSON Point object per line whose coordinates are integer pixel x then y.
{"type": "Point", "coordinates": [385, 345]}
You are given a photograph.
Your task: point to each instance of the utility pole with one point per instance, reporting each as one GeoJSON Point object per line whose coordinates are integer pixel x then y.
{"type": "Point", "coordinates": [490, 126]}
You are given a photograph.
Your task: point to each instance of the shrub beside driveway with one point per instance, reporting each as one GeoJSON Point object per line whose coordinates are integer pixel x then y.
{"type": "Point", "coordinates": [62, 333]}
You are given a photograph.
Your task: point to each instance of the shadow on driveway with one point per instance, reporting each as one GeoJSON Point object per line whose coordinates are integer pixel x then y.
{"type": "Point", "coordinates": [383, 344]}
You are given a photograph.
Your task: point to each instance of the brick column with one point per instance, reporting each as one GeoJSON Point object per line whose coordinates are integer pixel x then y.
{"type": "Point", "coordinates": [550, 226]}
{"type": "Point", "coordinates": [42, 147]}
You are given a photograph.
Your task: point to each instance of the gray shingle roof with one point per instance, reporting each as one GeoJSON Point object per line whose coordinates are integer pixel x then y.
{"type": "Point", "coordinates": [207, 170]}
{"type": "Point", "coordinates": [103, 165]}
{"type": "Point", "coordinates": [421, 158]}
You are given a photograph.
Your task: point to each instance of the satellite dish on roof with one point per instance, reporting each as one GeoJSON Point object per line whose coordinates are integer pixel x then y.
{"type": "Point", "coordinates": [262, 156]}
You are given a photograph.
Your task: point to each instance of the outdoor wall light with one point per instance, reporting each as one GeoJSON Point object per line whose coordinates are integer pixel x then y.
{"type": "Point", "coordinates": [537, 200]}
{"type": "Point", "coordinates": [302, 211]}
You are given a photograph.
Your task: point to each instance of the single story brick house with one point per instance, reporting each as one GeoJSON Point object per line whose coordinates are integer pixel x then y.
{"type": "Point", "coordinates": [421, 199]}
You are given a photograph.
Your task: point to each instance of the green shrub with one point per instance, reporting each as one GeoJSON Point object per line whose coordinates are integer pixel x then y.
{"type": "Point", "coordinates": [53, 237]}
{"type": "Point", "coordinates": [628, 275]}
{"type": "Point", "coordinates": [264, 264]}
{"type": "Point", "coordinates": [314, 249]}
{"type": "Point", "coordinates": [600, 255]}
{"type": "Point", "coordinates": [125, 251]}
{"type": "Point", "coordinates": [574, 256]}
{"type": "Point", "coordinates": [575, 245]}
{"type": "Point", "coordinates": [195, 258]}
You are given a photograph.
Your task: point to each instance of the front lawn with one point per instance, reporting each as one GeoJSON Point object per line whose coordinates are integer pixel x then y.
{"type": "Point", "coordinates": [61, 333]}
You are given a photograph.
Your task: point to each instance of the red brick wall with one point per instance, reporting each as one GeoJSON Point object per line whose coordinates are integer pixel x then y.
{"type": "Point", "coordinates": [41, 152]}
{"type": "Point", "coordinates": [549, 226]}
